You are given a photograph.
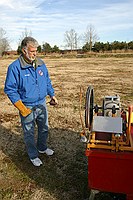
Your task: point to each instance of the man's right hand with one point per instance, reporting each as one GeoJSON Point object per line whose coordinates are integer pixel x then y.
{"type": "Point", "coordinates": [22, 108]}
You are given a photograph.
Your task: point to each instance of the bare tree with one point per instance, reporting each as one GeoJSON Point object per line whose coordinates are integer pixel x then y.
{"type": "Point", "coordinates": [71, 39]}
{"type": "Point", "coordinates": [4, 42]}
{"type": "Point", "coordinates": [90, 36]}
{"type": "Point", "coordinates": [24, 34]}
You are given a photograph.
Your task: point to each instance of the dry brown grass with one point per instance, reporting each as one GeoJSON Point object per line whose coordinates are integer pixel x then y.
{"type": "Point", "coordinates": [64, 176]}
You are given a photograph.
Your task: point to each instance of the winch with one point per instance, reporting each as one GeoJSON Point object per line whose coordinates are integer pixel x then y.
{"type": "Point", "coordinates": [108, 134]}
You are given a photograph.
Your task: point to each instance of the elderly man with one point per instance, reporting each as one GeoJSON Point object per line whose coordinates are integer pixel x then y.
{"type": "Point", "coordinates": [27, 85]}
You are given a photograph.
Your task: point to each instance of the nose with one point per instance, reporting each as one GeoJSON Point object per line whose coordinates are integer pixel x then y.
{"type": "Point", "coordinates": [35, 52]}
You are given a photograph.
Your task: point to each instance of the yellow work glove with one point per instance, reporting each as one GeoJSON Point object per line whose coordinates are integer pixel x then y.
{"type": "Point", "coordinates": [22, 108]}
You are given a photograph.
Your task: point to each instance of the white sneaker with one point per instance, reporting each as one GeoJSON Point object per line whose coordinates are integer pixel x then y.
{"type": "Point", "coordinates": [48, 151]}
{"type": "Point", "coordinates": [36, 162]}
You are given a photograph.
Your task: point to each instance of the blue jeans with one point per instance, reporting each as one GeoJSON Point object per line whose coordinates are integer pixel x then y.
{"type": "Point", "coordinates": [38, 116]}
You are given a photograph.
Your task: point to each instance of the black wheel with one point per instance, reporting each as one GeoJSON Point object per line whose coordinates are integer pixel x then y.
{"type": "Point", "coordinates": [89, 105]}
{"type": "Point", "coordinates": [103, 107]}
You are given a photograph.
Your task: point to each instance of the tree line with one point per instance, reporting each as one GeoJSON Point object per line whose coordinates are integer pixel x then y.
{"type": "Point", "coordinates": [86, 42]}
{"type": "Point", "coordinates": [97, 47]}
{"type": "Point", "coordinates": [108, 47]}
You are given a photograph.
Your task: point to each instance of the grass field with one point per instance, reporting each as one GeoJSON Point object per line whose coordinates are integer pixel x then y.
{"type": "Point", "coordinates": [63, 176]}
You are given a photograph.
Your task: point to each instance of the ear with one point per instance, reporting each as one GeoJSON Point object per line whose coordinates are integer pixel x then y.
{"type": "Point", "coordinates": [23, 51]}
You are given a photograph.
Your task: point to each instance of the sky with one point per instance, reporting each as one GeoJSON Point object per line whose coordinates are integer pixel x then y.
{"type": "Point", "coordinates": [48, 20]}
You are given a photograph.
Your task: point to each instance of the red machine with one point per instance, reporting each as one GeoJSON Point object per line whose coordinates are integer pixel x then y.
{"type": "Point", "coordinates": [109, 145]}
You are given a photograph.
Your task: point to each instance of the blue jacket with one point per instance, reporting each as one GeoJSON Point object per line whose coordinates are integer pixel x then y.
{"type": "Point", "coordinates": [24, 82]}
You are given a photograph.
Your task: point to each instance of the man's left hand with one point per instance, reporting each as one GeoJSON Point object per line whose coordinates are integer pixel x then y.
{"type": "Point", "coordinates": [53, 101]}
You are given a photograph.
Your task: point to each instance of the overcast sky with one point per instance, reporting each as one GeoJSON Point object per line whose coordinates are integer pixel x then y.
{"type": "Point", "coordinates": [48, 20]}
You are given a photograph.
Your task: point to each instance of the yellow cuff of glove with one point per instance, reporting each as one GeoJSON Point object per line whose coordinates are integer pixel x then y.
{"type": "Point", "coordinates": [22, 108]}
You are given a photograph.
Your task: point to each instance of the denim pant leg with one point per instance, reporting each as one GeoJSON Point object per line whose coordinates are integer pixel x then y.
{"type": "Point", "coordinates": [28, 125]}
{"type": "Point", "coordinates": [42, 123]}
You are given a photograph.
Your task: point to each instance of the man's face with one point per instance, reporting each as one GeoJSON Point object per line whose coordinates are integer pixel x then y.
{"type": "Point", "coordinates": [30, 53]}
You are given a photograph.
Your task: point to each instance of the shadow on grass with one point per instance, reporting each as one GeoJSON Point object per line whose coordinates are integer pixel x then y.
{"type": "Point", "coordinates": [62, 176]}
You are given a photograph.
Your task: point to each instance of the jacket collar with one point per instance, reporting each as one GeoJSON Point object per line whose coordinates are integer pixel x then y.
{"type": "Point", "coordinates": [25, 64]}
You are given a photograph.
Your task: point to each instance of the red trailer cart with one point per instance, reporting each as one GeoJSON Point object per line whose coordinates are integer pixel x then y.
{"type": "Point", "coordinates": [109, 145]}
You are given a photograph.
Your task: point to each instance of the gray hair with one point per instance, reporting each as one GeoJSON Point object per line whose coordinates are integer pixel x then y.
{"type": "Point", "coordinates": [29, 41]}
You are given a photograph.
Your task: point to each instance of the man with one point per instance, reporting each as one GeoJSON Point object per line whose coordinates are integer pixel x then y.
{"type": "Point", "coordinates": [27, 84]}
